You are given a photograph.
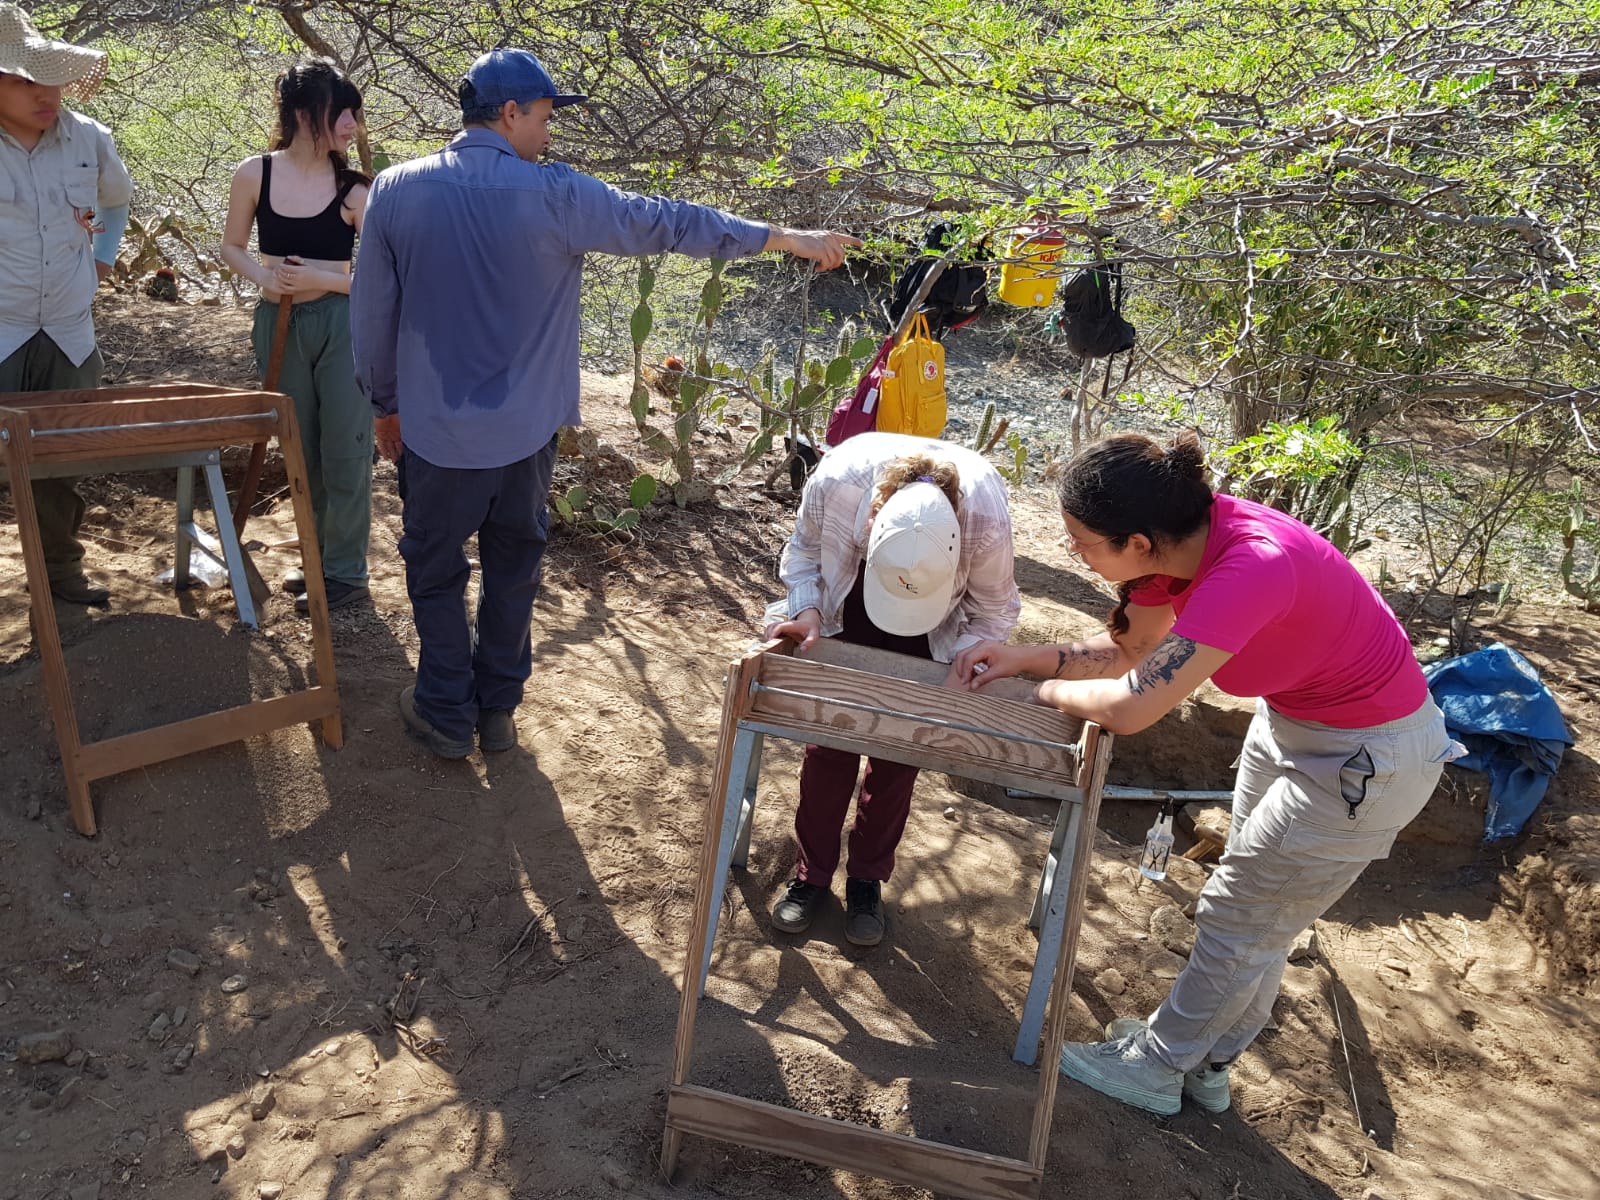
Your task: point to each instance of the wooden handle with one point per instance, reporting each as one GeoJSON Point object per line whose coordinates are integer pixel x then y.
{"type": "Point", "coordinates": [269, 383]}
{"type": "Point", "coordinates": [280, 342]}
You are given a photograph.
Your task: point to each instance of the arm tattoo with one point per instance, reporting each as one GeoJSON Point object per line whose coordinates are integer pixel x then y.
{"type": "Point", "coordinates": [1084, 662]}
{"type": "Point", "coordinates": [1164, 662]}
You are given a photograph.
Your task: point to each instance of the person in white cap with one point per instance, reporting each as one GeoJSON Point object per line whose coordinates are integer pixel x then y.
{"type": "Point", "coordinates": [903, 544]}
{"type": "Point", "coordinates": [64, 197]}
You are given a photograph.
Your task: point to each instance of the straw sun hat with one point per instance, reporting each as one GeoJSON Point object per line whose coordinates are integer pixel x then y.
{"type": "Point", "coordinates": [26, 52]}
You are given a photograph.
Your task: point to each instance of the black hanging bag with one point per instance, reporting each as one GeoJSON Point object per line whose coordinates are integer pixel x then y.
{"type": "Point", "coordinates": [1091, 312]}
{"type": "Point", "coordinates": [958, 297]}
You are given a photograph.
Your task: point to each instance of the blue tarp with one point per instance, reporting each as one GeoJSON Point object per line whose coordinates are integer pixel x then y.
{"type": "Point", "coordinates": [1494, 705]}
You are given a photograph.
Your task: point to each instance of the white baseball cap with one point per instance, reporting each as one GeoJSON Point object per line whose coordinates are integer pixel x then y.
{"type": "Point", "coordinates": [911, 561]}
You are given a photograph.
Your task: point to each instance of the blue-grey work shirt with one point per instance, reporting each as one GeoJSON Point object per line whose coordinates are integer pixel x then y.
{"type": "Point", "coordinates": [464, 305]}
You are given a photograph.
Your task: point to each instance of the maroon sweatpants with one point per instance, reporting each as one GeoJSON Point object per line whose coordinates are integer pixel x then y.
{"type": "Point", "coordinates": [828, 777]}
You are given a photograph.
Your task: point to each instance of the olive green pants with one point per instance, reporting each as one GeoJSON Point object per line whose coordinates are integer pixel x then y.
{"type": "Point", "coordinates": [39, 366]}
{"type": "Point", "coordinates": [335, 423]}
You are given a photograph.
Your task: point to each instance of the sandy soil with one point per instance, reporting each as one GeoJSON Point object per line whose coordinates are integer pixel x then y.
{"type": "Point", "coordinates": [459, 980]}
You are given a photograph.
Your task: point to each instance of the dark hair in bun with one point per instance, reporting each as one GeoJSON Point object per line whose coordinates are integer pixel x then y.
{"type": "Point", "coordinates": [1130, 484]}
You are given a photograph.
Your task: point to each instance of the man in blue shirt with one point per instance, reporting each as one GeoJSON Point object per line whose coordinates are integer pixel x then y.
{"type": "Point", "coordinates": [464, 324]}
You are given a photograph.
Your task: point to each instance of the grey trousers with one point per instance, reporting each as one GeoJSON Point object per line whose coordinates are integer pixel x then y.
{"type": "Point", "coordinates": [1312, 806]}
{"type": "Point", "coordinates": [38, 365]}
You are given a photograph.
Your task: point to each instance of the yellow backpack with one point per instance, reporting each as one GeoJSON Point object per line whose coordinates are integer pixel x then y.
{"type": "Point", "coordinates": [912, 398]}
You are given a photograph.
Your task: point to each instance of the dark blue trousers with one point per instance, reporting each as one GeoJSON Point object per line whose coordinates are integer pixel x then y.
{"type": "Point", "coordinates": [469, 664]}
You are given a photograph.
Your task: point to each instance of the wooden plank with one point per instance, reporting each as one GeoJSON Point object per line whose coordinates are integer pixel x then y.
{"type": "Point", "coordinates": [947, 1170]}
{"type": "Point", "coordinates": [913, 719]}
{"type": "Point", "coordinates": [1097, 743]}
{"type": "Point", "coordinates": [1088, 744]}
{"type": "Point", "coordinates": [697, 954]}
{"type": "Point", "coordinates": [162, 408]}
{"type": "Point", "coordinates": [157, 744]}
{"type": "Point", "coordinates": [294, 467]}
{"type": "Point", "coordinates": [74, 445]}
{"type": "Point", "coordinates": [135, 391]}
{"type": "Point", "coordinates": [838, 653]}
{"type": "Point", "coordinates": [1047, 785]}
{"type": "Point", "coordinates": [117, 463]}
{"type": "Point", "coordinates": [46, 633]}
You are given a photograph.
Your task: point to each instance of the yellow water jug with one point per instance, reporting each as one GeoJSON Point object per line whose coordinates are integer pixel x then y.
{"type": "Point", "coordinates": [1031, 281]}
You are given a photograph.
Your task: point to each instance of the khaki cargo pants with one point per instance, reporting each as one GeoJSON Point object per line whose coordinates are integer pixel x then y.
{"type": "Point", "coordinates": [1312, 806]}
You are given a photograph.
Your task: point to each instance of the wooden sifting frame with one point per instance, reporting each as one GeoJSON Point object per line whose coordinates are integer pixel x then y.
{"type": "Point", "coordinates": [909, 720]}
{"type": "Point", "coordinates": [97, 427]}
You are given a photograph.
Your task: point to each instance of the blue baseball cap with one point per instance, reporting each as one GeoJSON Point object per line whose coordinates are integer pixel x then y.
{"type": "Point", "coordinates": [502, 75]}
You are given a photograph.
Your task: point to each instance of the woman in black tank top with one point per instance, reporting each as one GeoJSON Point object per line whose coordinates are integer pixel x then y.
{"type": "Point", "coordinates": [306, 203]}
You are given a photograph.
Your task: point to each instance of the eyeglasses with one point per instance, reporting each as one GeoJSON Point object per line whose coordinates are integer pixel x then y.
{"type": "Point", "coordinates": [1076, 548]}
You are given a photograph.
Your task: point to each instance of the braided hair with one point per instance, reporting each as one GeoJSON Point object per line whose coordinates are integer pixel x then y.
{"type": "Point", "coordinates": [1130, 484]}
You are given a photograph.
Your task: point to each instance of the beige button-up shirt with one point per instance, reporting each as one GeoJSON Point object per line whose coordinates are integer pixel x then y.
{"type": "Point", "coordinates": [47, 276]}
{"type": "Point", "coordinates": [829, 542]}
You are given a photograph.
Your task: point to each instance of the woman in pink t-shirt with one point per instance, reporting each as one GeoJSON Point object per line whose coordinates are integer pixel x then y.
{"type": "Point", "coordinates": [1345, 748]}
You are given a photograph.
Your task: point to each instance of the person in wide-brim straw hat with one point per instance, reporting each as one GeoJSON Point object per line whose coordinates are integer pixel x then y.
{"type": "Point", "coordinates": [66, 197]}
{"type": "Point", "coordinates": [24, 51]}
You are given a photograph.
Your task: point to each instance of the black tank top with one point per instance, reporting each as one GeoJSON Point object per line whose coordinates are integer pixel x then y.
{"type": "Point", "coordinates": [326, 236]}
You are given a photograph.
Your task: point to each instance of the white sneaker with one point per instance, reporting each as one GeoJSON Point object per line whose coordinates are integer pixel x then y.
{"type": "Point", "coordinates": [1206, 1085]}
{"type": "Point", "coordinates": [1125, 1070]}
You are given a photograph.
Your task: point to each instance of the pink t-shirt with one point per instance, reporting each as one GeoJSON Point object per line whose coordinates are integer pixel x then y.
{"type": "Point", "coordinates": [1305, 629]}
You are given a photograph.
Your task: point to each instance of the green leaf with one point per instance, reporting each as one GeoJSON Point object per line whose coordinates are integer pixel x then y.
{"type": "Point", "coordinates": [642, 491]}
{"type": "Point", "coordinates": [865, 347]}
{"type": "Point", "coordinates": [628, 518]}
{"type": "Point", "coordinates": [647, 280]}
{"type": "Point", "coordinates": [839, 371]}
{"type": "Point", "coordinates": [639, 403]}
{"type": "Point", "coordinates": [640, 324]}
{"type": "Point", "coordinates": [562, 507]}
{"type": "Point", "coordinates": [578, 497]}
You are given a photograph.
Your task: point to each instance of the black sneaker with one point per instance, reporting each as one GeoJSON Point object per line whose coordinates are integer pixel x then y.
{"type": "Point", "coordinates": [863, 920]}
{"type": "Point", "coordinates": [80, 591]}
{"type": "Point", "coordinates": [797, 906]}
{"type": "Point", "coordinates": [295, 582]}
{"type": "Point", "coordinates": [340, 595]}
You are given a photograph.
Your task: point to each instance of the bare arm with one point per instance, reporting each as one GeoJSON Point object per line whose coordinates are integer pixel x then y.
{"type": "Point", "coordinates": [1098, 657]}
{"type": "Point", "coordinates": [243, 196]}
{"type": "Point", "coordinates": [1161, 681]}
